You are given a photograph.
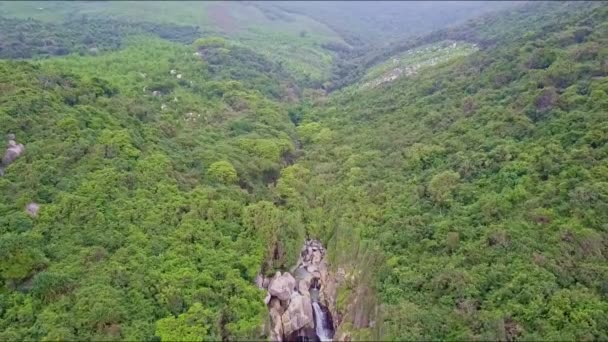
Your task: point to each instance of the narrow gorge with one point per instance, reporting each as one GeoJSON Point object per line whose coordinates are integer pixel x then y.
{"type": "Point", "coordinates": [300, 302]}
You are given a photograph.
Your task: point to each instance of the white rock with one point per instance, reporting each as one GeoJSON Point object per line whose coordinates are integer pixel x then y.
{"type": "Point", "coordinates": [32, 209]}
{"type": "Point", "coordinates": [282, 286]}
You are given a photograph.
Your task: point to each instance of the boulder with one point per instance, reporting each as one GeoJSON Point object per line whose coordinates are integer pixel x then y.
{"type": "Point", "coordinates": [13, 151]}
{"type": "Point", "coordinates": [32, 209]}
{"type": "Point", "coordinates": [276, 325]}
{"type": "Point", "coordinates": [304, 283]}
{"type": "Point", "coordinates": [308, 255]}
{"type": "Point", "coordinates": [303, 288]}
{"type": "Point", "coordinates": [261, 281]}
{"type": "Point", "coordinates": [282, 286]}
{"type": "Point", "coordinates": [316, 257]}
{"type": "Point", "coordinates": [298, 314]}
{"type": "Point", "coordinates": [312, 269]}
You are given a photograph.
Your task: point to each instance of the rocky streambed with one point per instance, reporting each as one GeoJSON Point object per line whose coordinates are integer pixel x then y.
{"type": "Point", "coordinates": [298, 301]}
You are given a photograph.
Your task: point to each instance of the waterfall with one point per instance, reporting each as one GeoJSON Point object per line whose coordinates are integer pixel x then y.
{"type": "Point", "coordinates": [321, 323]}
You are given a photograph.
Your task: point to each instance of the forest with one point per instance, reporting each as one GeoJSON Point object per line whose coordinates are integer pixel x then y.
{"type": "Point", "coordinates": [157, 163]}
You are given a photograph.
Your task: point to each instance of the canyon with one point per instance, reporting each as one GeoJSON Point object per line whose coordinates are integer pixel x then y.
{"type": "Point", "coordinates": [300, 302]}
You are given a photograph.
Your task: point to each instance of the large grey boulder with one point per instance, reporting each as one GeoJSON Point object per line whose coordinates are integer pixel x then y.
{"type": "Point", "coordinates": [298, 314]}
{"type": "Point", "coordinates": [13, 151]}
{"type": "Point", "coordinates": [276, 325]}
{"type": "Point", "coordinates": [304, 283]}
{"type": "Point", "coordinates": [282, 286]}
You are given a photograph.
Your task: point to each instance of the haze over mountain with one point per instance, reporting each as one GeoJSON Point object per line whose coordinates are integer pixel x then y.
{"type": "Point", "coordinates": [303, 170]}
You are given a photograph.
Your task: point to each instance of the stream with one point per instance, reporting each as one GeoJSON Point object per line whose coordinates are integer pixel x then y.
{"type": "Point", "coordinates": [298, 304]}
{"type": "Point", "coordinates": [324, 332]}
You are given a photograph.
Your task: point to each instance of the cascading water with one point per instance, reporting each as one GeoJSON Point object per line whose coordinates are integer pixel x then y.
{"type": "Point", "coordinates": [296, 303]}
{"type": "Point", "coordinates": [321, 321]}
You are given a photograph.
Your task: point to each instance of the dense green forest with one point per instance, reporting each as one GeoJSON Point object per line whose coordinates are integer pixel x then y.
{"type": "Point", "coordinates": [168, 162]}
{"type": "Point", "coordinates": [483, 182]}
{"type": "Point", "coordinates": [141, 195]}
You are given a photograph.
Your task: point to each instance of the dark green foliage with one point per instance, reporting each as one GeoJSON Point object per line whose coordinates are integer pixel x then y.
{"type": "Point", "coordinates": [226, 61]}
{"type": "Point", "coordinates": [468, 202]}
{"type": "Point", "coordinates": [142, 196]}
{"type": "Point", "coordinates": [482, 183]}
{"type": "Point", "coordinates": [523, 23]}
{"type": "Point", "coordinates": [32, 38]}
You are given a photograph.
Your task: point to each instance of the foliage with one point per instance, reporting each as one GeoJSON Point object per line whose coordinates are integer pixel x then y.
{"type": "Point", "coordinates": [141, 229]}
{"type": "Point", "coordinates": [481, 183]}
{"type": "Point", "coordinates": [85, 36]}
{"type": "Point", "coordinates": [276, 37]}
{"type": "Point", "coordinates": [466, 202]}
{"type": "Point", "coordinates": [223, 171]}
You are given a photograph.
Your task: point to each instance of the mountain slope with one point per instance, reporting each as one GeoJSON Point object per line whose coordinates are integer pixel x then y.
{"type": "Point", "coordinates": [142, 162]}
{"type": "Point", "coordinates": [482, 183]}
{"type": "Point", "coordinates": [289, 38]}
{"type": "Point", "coordinates": [159, 180]}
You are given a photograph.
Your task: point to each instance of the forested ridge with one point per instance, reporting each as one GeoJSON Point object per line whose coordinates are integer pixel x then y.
{"type": "Point", "coordinates": [166, 168]}
{"type": "Point", "coordinates": [483, 182]}
{"type": "Point", "coordinates": [85, 36]}
{"type": "Point", "coordinates": [142, 179]}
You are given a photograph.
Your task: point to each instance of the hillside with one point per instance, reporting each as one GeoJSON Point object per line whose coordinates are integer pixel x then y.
{"type": "Point", "coordinates": [165, 161]}
{"type": "Point", "coordinates": [141, 175]}
{"type": "Point", "coordinates": [308, 38]}
{"type": "Point", "coordinates": [291, 39]}
{"type": "Point", "coordinates": [482, 183]}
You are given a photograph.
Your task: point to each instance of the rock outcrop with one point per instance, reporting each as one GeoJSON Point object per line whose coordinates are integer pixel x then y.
{"type": "Point", "coordinates": [32, 209]}
{"type": "Point", "coordinates": [290, 297]}
{"type": "Point", "coordinates": [282, 286]}
{"type": "Point", "coordinates": [13, 151]}
{"type": "Point", "coordinates": [298, 314]}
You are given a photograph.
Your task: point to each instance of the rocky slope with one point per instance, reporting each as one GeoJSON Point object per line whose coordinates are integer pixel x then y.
{"type": "Point", "coordinates": [299, 302]}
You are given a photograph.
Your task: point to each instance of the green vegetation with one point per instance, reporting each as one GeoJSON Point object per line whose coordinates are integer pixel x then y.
{"type": "Point", "coordinates": [175, 163]}
{"type": "Point", "coordinates": [31, 38]}
{"type": "Point", "coordinates": [415, 60]}
{"type": "Point", "coordinates": [483, 183]}
{"type": "Point", "coordinates": [290, 39]}
{"type": "Point", "coordinates": [140, 229]}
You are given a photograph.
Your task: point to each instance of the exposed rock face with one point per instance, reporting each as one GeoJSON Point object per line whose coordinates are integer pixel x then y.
{"type": "Point", "coordinates": [282, 286]}
{"type": "Point", "coordinates": [290, 298]}
{"type": "Point", "coordinates": [13, 151]}
{"type": "Point", "coordinates": [298, 314]}
{"type": "Point", "coordinates": [32, 209]}
{"type": "Point", "coordinates": [276, 323]}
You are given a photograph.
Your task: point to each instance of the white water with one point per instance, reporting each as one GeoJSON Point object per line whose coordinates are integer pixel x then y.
{"type": "Point", "coordinates": [320, 323]}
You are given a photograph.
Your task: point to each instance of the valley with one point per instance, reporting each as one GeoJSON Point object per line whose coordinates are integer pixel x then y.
{"type": "Point", "coordinates": [188, 171]}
